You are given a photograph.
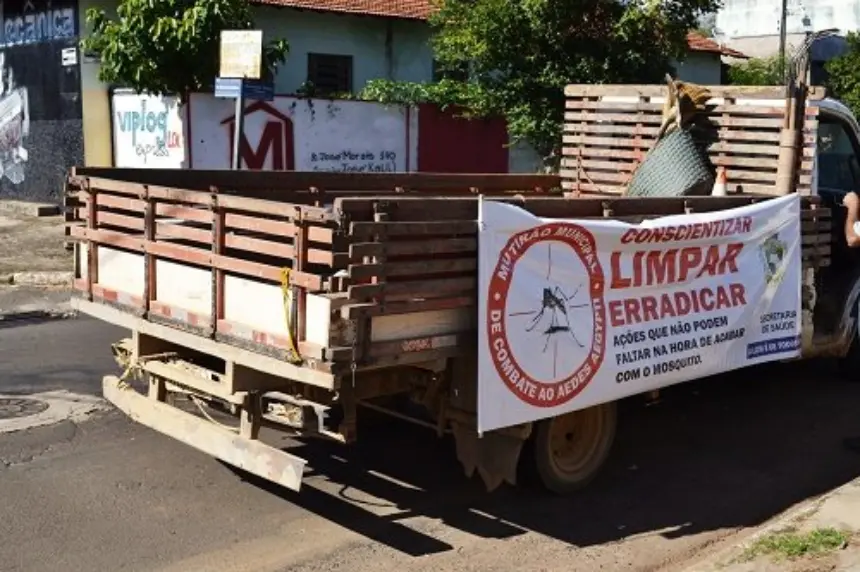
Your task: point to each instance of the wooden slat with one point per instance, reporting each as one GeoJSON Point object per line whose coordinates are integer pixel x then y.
{"type": "Point", "coordinates": [425, 247]}
{"type": "Point", "coordinates": [108, 238]}
{"type": "Point", "coordinates": [623, 151]}
{"type": "Point", "coordinates": [271, 207]}
{"type": "Point", "coordinates": [113, 219]}
{"type": "Point", "coordinates": [657, 90]}
{"type": "Point", "coordinates": [122, 203]}
{"type": "Point", "coordinates": [282, 229]}
{"type": "Point", "coordinates": [372, 309]}
{"type": "Point", "coordinates": [554, 207]}
{"type": "Point", "coordinates": [168, 210]}
{"type": "Point", "coordinates": [163, 230]}
{"type": "Point", "coordinates": [250, 244]}
{"type": "Point", "coordinates": [418, 289]}
{"type": "Point", "coordinates": [725, 161]}
{"type": "Point", "coordinates": [600, 106]}
{"type": "Point", "coordinates": [277, 184]}
{"type": "Point", "coordinates": [412, 228]}
{"type": "Point", "coordinates": [574, 120]}
{"type": "Point", "coordinates": [412, 268]}
{"type": "Point", "coordinates": [627, 139]}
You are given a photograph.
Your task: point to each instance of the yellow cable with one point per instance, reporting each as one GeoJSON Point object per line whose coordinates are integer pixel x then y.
{"type": "Point", "coordinates": [293, 355]}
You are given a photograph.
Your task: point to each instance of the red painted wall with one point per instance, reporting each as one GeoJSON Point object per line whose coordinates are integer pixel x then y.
{"type": "Point", "coordinates": [448, 144]}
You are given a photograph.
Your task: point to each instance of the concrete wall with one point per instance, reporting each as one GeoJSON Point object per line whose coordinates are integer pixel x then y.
{"type": "Point", "coordinates": [700, 67]}
{"type": "Point", "coordinates": [40, 99]}
{"type": "Point", "coordinates": [380, 48]}
{"type": "Point", "coordinates": [94, 95]}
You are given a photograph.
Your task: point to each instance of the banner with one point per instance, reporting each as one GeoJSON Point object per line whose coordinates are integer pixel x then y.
{"type": "Point", "coordinates": [574, 313]}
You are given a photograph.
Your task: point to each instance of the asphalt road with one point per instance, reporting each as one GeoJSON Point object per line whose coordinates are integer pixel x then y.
{"type": "Point", "coordinates": [700, 468]}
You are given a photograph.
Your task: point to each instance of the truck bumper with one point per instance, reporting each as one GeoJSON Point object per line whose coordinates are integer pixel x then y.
{"type": "Point", "coordinates": [252, 456]}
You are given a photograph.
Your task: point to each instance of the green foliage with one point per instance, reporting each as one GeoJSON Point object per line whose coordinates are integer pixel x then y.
{"type": "Point", "coordinates": [522, 53]}
{"type": "Point", "coordinates": [791, 544]}
{"type": "Point", "coordinates": [758, 71]}
{"type": "Point", "coordinates": [169, 46]}
{"type": "Point", "coordinates": [844, 72]}
{"type": "Point", "coordinates": [471, 98]}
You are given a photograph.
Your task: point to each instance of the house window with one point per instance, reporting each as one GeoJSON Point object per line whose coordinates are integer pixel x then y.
{"type": "Point", "coordinates": [329, 73]}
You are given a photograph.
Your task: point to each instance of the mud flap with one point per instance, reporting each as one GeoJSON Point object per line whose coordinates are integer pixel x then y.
{"type": "Point", "coordinates": [249, 455]}
{"type": "Point", "coordinates": [495, 455]}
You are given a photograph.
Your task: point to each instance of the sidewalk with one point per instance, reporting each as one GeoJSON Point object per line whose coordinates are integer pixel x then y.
{"type": "Point", "coordinates": [817, 536]}
{"type": "Point", "coordinates": [35, 267]}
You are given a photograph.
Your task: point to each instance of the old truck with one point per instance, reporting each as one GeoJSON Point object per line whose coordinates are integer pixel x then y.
{"type": "Point", "coordinates": [292, 300]}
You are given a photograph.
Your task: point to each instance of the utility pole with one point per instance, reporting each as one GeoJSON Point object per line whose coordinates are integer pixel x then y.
{"type": "Point", "coordinates": [783, 16]}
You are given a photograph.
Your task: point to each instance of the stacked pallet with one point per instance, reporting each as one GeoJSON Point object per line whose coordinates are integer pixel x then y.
{"type": "Point", "coordinates": [609, 129]}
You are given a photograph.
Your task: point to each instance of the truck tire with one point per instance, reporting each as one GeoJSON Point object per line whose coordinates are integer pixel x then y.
{"type": "Point", "coordinates": [570, 450]}
{"type": "Point", "coordinates": [849, 364]}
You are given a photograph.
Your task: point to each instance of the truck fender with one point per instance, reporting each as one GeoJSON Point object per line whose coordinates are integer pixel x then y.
{"type": "Point", "coordinates": [848, 320]}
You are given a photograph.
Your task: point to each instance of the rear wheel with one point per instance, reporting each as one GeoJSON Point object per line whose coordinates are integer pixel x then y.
{"type": "Point", "coordinates": [570, 450]}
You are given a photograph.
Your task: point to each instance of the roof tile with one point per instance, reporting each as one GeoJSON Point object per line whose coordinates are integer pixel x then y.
{"type": "Point", "coordinates": [411, 9]}
{"type": "Point", "coordinates": [699, 43]}
{"type": "Point", "coordinates": [422, 9]}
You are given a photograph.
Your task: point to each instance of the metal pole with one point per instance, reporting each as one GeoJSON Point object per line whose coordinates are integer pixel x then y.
{"type": "Point", "coordinates": [239, 127]}
{"type": "Point", "coordinates": [783, 16]}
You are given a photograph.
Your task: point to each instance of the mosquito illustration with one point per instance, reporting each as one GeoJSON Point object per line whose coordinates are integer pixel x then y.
{"type": "Point", "coordinates": [559, 305]}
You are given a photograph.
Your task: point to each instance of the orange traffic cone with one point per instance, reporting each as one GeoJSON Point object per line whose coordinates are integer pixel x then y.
{"type": "Point", "coordinates": [719, 189]}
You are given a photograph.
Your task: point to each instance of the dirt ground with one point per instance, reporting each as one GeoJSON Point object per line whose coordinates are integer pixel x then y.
{"type": "Point", "coordinates": [29, 244]}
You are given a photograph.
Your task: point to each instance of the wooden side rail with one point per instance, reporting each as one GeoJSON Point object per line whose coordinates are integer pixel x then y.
{"type": "Point", "coordinates": [608, 133]}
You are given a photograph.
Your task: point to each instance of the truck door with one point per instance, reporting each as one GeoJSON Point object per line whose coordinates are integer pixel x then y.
{"type": "Point", "coordinates": [838, 173]}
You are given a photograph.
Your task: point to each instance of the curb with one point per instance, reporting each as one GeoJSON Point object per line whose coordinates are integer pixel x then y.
{"type": "Point", "coordinates": [30, 209]}
{"type": "Point", "coordinates": [43, 278]}
{"type": "Point", "coordinates": [780, 522]}
{"type": "Point", "coordinates": [11, 319]}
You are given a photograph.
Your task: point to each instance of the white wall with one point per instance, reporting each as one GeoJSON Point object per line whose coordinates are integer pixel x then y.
{"type": "Point", "coordinates": [743, 18]}
{"type": "Point", "coordinates": [364, 38]}
{"type": "Point", "coordinates": [343, 136]}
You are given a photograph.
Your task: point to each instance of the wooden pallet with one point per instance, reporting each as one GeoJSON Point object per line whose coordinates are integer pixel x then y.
{"type": "Point", "coordinates": [606, 139]}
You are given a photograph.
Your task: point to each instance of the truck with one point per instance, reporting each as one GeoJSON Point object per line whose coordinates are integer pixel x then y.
{"type": "Point", "coordinates": [291, 301]}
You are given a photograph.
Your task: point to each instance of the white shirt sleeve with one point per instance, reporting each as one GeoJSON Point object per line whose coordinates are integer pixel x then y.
{"type": "Point", "coordinates": [857, 228]}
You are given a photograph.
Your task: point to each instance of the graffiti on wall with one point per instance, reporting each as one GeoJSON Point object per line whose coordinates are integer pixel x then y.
{"type": "Point", "coordinates": [302, 135]}
{"type": "Point", "coordinates": [31, 25]}
{"type": "Point", "coordinates": [348, 161]}
{"type": "Point", "coordinates": [14, 125]}
{"type": "Point", "coordinates": [41, 131]}
{"type": "Point", "coordinates": [274, 149]}
{"type": "Point", "coordinates": [148, 131]}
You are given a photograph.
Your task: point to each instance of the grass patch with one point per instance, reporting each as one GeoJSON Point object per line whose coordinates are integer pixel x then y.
{"type": "Point", "coordinates": [791, 544]}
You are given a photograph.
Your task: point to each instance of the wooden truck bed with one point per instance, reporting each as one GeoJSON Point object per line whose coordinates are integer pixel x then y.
{"type": "Point", "coordinates": [378, 280]}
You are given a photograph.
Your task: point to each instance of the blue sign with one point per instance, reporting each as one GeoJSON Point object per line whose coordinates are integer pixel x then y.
{"type": "Point", "coordinates": [258, 90]}
{"type": "Point", "coordinates": [228, 87]}
{"type": "Point", "coordinates": [250, 89]}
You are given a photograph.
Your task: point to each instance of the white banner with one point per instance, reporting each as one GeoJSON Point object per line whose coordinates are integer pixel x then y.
{"type": "Point", "coordinates": [574, 313]}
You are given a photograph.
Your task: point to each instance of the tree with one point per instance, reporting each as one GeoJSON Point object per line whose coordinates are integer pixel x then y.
{"type": "Point", "coordinates": [758, 71]}
{"type": "Point", "coordinates": [844, 72]}
{"type": "Point", "coordinates": [169, 46]}
{"type": "Point", "coordinates": [522, 53]}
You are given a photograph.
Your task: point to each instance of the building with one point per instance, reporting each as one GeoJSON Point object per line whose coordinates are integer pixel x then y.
{"type": "Point", "coordinates": [58, 114]}
{"type": "Point", "coordinates": [753, 27]}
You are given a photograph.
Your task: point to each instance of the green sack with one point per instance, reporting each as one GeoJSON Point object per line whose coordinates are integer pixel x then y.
{"type": "Point", "coordinates": [674, 167]}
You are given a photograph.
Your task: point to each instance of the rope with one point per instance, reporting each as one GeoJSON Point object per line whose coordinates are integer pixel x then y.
{"type": "Point", "coordinates": [293, 355]}
{"type": "Point", "coordinates": [196, 401]}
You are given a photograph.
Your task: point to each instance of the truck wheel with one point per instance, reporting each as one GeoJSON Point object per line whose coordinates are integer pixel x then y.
{"type": "Point", "coordinates": [849, 364]}
{"type": "Point", "coordinates": [570, 450]}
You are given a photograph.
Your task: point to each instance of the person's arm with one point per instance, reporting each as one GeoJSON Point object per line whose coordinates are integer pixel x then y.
{"type": "Point", "coordinates": [851, 202]}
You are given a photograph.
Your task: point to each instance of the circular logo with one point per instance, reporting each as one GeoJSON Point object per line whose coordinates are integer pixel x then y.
{"type": "Point", "coordinates": [547, 340]}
